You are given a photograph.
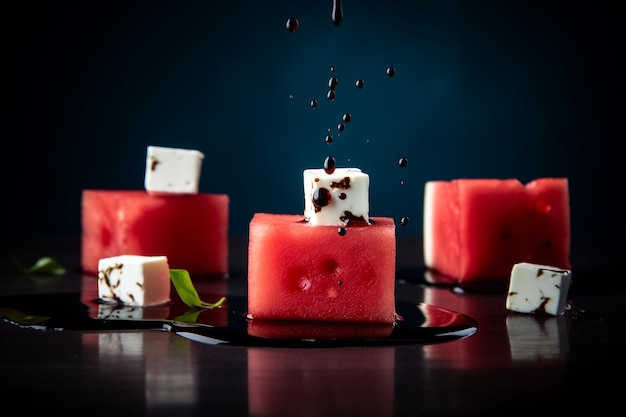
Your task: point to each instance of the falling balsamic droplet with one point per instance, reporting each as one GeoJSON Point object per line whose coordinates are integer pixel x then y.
{"type": "Point", "coordinates": [404, 221]}
{"type": "Point", "coordinates": [403, 162]}
{"type": "Point", "coordinates": [391, 71]}
{"type": "Point", "coordinates": [292, 24]}
{"type": "Point", "coordinates": [359, 83]}
{"type": "Point", "coordinates": [329, 139]}
{"type": "Point", "coordinates": [333, 69]}
{"type": "Point", "coordinates": [330, 95]}
{"type": "Point", "coordinates": [330, 164]}
{"type": "Point", "coordinates": [402, 182]}
{"type": "Point", "coordinates": [337, 13]}
{"type": "Point", "coordinates": [341, 231]}
{"type": "Point", "coordinates": [346, 117]}
{"type": "Point", "coordinates": [333, 83]}
{"type": "Point", "coordinates": [340, 127]}
{"type": "Point", "coordinates": [314, 103]}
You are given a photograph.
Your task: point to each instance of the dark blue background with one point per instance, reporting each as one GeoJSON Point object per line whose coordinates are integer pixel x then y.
{"type": "Point", "coordinates": [504, 89]}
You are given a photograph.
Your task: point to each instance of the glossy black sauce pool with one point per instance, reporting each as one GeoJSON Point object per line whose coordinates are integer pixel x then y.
{"type": "Point", "coordinates": [228, 325]}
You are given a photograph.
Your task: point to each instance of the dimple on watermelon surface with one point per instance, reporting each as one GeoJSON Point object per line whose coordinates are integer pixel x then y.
{"type": "Point", "coordinates": [191, 230]}
{"type": "Point", "coordinates": [477, 229]}
{"type": "Point", "coordinates": [297, 271]}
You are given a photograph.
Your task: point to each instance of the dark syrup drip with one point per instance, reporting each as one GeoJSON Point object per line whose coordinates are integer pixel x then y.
{"type": "Point", "coordinates": [292, 24]}
{"type": "Point", "coordinates": [321, 198]}
{"type": "Point", "coordinates": [337, 13]}
{"type": "Point", "coordinates": [352, 220]}
{"type": "Point", "coordinates": [329, 165]}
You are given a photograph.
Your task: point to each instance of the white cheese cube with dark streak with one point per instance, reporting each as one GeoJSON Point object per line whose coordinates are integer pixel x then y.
{"type": "Point", "coordinates": [172, 170]}
{"type": "Point", "coordinates": [336, 199]}
{"type": "Point", "coordinates": [537, 288]}
{"type": "Point", "coordinates": [134, 280]}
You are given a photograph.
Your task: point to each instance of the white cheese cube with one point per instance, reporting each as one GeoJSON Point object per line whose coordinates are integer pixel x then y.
{"type": "Point", "coordinates": [538, 288]}
{"type": "Point", "coordinates": [134, 280]}
{"type": "Point", "coordinates": [172, 170]}
{"type": "Point", "coordinates": [337, 198]}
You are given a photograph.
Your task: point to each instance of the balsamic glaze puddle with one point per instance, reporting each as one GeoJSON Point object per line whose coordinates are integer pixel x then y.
{"type": "Point", "coordinates": [227, 325]}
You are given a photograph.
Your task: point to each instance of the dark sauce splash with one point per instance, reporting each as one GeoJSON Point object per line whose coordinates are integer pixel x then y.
{"type": "Point", "coordinates": [336, 14]}
{"type": "Point", "coordinates": [329, 165]}
{"type": "Point", "coordinates": [292, 24]}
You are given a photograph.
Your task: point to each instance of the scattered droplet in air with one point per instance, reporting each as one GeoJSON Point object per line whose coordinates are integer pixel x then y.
{"type": "Point", "coordinates": [333, 69]}
{"type": "Point", "coordinates": [314, 103]}
{"type": "Point", "coordinates": [404, 221]}
{"type": "Point", "coordinates": [332, 83]}
{"type": "Point", "coordinates": [329, 165]}
{"type": "Point", "coordinates": [391, 71]}
{"type": "Point", "coordinates": [337, 13]}
{"type": "Point", "coordinates": [359, 83]}
{"type": "Point", "coordinates": [346, 117]}
{"type": "Point", "coordinates": [292, 24]}
{"type": "Point", "coordinates": [329, 139]}
{"type": "Point", "coordinates": [402, 182]}
{"type": "Point", "coordinates": [403, 162]}
{"type": "Point", "coordinates": [290, 96]}
{"type": "Point", "coordinates": [330, 95]}
{"type": "Point", "coordinates": [340, 127]}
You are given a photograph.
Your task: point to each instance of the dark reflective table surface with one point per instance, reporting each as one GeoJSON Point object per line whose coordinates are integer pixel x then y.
{"type": "Point", "coordinates": [514, 364]}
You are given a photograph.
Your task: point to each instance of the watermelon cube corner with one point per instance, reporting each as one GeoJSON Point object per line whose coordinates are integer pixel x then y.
{"type": "Point", "coordinates": [298, 271]}
{"type": "Point", "coordinates": [190, 230]}
{"type": "Point", "coordinates": [475, 230]}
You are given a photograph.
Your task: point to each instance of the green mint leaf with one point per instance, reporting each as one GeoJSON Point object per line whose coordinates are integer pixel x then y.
{"type": "Point", "coordinates": [187, 292]}
{"type": "Point", "coordinates": [44, 266]}
{"type": "Point", "coordinates": [18, 317]}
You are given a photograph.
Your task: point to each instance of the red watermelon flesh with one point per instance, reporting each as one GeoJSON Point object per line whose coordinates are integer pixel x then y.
{"type": "Point", "coordinates": [191, 230]}
{"type": "Point", "coordinates": [477, 229]}
{"type": "Point", "coordinates": [297, 271]}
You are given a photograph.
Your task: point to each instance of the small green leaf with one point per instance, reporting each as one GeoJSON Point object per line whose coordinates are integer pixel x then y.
{"type": "Point", "coordinates": [21, 318]}
{"type": "Point", "coordinates": [44, 266]}
{"type": "Point", "coordinates": [187, 292]}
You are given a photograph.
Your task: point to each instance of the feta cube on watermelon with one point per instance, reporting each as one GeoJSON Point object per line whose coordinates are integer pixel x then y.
{"type": "Point", "coordinates": [298, 271]}
{"type": "Point", "coordinates": [172, 170]}
{"type": "Point", "coordinates": [475, 230]}
{"type": "Point", "coordinates": [337, 198]}
{"type": "Point", "coordinates": [191, 230]}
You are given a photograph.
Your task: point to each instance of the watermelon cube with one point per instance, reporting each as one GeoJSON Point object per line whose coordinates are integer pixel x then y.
{"type": "Point", "coordinates": [190, 230]}
{"type": "Point", "coordinates": [298, 271]}
{"type": "Point", "coordinates": [475, 230]}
